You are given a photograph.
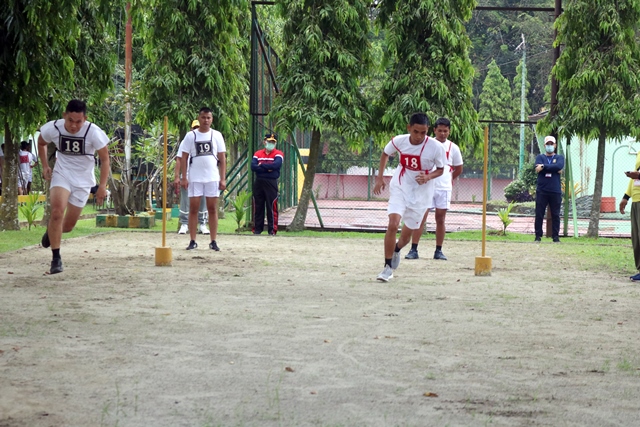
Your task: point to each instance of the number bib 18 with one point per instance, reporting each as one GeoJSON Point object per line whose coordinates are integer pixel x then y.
{"type": "Point", "coordinates": [411, 162]}
{"type": "Point", "coordinates": [72, 145]}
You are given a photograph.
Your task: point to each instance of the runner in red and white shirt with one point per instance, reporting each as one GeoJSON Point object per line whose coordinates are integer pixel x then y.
{"type": "Point", "coordinates": [25, 174]}
{"type": "Point", "coordinates": [443, 189]}
{"type": "Point", "coordinates": [422, 159]}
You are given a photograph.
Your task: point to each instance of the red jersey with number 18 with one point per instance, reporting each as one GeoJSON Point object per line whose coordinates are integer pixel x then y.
{"type": "Point", "coordinates": [424, 157]}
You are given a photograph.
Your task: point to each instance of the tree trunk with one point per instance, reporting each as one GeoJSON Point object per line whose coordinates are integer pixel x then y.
{"type": "Point", "coordinates": [594, 220]}
{"type": "Point", "coordinates": [9, 207]}
{"type": "Point", "coordinates": [303, 204]}
{"type": "Point", "coordinates": [137, 196]}
{"type": "Point", "coordinates": [51, 159]}
{"type": "Point", "coordinates": [173, 192]}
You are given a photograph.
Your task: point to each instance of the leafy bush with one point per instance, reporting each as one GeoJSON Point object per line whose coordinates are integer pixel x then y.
{"type": "Point", "coordinates": [518, 191]}
{"type": "Point", "coordinates": [240, 205]}
{"type": "Point", "coordinates": [529, 175]}
{"type": "Point", "coordinates": [30, 209]}
{"type": "Point", "coordinates": [503, 214]}
{"type": "Point", "coordinates": [522, 189]}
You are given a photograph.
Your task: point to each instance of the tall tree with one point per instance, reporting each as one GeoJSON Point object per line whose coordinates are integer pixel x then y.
{"type": "Point", "coordinates": [430, 69]}
{"type": "Point", "coordinates": [496, 104]}
{"type": "Point", "coordinates": [196, 51]}
{"type": "Point", "coordinates": [599, 77]}
{"type": "Point", "coordinates": [50, 53]}
{"type": "Point", "coordinates": [326, 53]}
{"type": "Point", "coordinates": [496, 34]}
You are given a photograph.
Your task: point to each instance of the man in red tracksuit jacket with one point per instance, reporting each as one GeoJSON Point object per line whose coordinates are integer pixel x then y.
{"type": "Point", "coordinates": [266, 164]}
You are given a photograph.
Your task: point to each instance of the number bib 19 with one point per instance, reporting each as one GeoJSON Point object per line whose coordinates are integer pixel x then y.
{"type": "Point", "coordinates": [204, 148]}
{"type": "Point", "coordinates": [72, 145]}
{"type": "Point", "coordinates": [411, 162]}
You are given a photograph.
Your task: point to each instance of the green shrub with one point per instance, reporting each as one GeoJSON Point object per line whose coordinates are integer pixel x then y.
{"type": "Point", "coordinates": [522, 189]}
{"type": "Point", "coordinates": [239, 203]}
{"type": "Point", "coordinates": [529, 175]}
{"type": "Point", "coordinates": [517, 191]}
{"type": "Point", "coordinates": [30, 209]}
{"type": "Point", "coordinates": [503, 214]}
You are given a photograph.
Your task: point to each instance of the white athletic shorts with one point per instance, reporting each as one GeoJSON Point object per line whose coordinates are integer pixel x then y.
{"type": "Point", "coordinates": [78, 196]}
{"type": "Point", "coordinates": [24, 178]}
{"type": "Point", "coordinates": [412, 217]}
{"type": "Point", "coordinates": [206, 189]}
{"type": "Point", "coordinates": [441, 199]}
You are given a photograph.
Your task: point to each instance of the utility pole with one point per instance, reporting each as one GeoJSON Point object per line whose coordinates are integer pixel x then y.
{"type": "Point", "coordinates": [523, 91]}
{"type": "Point", "coordinates": [554, 99]}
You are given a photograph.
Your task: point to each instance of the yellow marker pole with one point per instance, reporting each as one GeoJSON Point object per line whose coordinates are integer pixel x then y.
{"type": "Point", "coordinates": [163, 254]}
{"type": "Point", "coordinates": [483, 263]}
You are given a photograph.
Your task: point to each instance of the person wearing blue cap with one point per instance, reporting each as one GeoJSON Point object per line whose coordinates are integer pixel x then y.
{"type": "Point", "coordinates": [266, 164]}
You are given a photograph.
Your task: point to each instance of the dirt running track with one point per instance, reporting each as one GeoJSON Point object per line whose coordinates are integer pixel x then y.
{"type": "Point", "coordinates": [297, 332]}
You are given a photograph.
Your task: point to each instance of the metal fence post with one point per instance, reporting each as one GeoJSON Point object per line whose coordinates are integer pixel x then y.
{"type": "Point", "coordinates": [489, 165]}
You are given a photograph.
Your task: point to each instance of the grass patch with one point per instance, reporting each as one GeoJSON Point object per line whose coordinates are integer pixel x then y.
{"type": "Point", "coordinates": [604, 254]}
{"type": "Point", "coordinates": [626, 365]}
{"type": "Point", "coordinates": [11, 240]}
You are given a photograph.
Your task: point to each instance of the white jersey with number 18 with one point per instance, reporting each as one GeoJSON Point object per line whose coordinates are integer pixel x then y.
{"type": "Point", "coordinates": [75, 158]}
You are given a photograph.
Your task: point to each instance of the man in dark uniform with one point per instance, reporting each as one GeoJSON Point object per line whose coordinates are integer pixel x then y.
{"type": "Point", "coordinates": [266, 164]}
{"type": "Point", "coordinates": [549, 166]}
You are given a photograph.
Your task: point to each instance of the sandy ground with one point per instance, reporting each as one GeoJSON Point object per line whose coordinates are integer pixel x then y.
{"type": "Point", "coordinates": [291, 331]}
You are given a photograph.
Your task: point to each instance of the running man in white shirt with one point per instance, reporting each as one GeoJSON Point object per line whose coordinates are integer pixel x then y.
{"type": "Point", "coordinates": [25, 174]}
{"type": "Point", "coordinates": [442, 195]}
{"type": "Point", "coordinates": [76, 141]}
{"type": "Point", "coordinates": [206, 150]}
{"type": "Point", "coordinates": [422, 159]}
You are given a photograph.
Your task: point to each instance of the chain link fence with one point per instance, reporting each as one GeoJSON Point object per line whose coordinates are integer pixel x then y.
{"type": "Point", "coordinates": [343, 187]}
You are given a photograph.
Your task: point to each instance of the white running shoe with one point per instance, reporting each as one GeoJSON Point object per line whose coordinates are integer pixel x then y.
{"type": "Point", "coordinates": [204, 229]}
{"type": "Point", "coordinates": [385, 274]}
{"type": "Point", "coordinates": [184, 228]}
{"type": "Point", "coordinates": [395, 260]}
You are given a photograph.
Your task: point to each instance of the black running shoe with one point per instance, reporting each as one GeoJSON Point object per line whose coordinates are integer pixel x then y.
{"type": "Point", "coordinates": [56, 266]}
{"type": "Point", "coordinates": [213, 246]}
{"type": "Point", "coordinates": [192, 245]}
{"type": "Point", "coordinates": [413, 254]}
{"type": "Point", "coordinates": [45, 240]}
{"type": "Point", "coordinates": [439, 255]}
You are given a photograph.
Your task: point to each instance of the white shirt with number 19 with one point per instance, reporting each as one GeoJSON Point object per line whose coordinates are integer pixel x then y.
{"type": "Point", "coordinates": [203, 149]}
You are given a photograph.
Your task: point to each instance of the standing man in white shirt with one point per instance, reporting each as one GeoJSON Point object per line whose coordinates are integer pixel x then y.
{"type": "Point", "coordinates": [206, 150]}
{"type": "Point", "coordinates": [184, 197]}
{"type": "Point", "coordinates": [422, 160]}
{"type": "Point", "coordinates": [76, 140]}
{"type": "Point", "coordinates": [443, 189]}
